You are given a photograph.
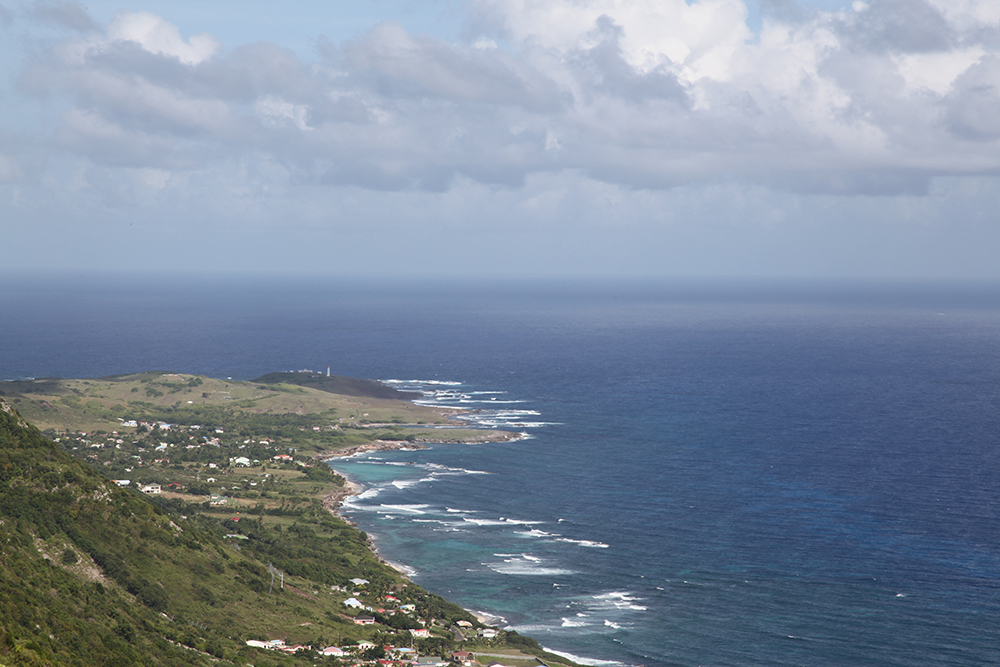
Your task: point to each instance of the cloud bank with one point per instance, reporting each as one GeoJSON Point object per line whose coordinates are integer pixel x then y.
{"type": "Point", "coordinates": [650, 137]}
{"type": "Point", "coordinates": [648, 94]}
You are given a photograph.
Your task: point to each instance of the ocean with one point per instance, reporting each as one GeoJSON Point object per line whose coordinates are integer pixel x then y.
{"type": "Point", "coordinates": [710, 473]}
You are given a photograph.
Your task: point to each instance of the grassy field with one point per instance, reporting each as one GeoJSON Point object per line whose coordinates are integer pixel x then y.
{"type": "Point", "coordinates": [103, 404]}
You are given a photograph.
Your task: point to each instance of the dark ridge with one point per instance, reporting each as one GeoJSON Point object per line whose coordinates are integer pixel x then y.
{"type": "Point", "coordinates": [48, 386]}
{"type": "Point", "coordinates": [337, 384]}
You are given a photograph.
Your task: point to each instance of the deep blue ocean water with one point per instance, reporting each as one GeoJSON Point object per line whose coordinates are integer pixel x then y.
{"type": "Point", "coordinates": [713, 474]}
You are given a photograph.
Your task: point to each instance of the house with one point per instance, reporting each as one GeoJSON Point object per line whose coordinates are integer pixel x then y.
{"type": "Point", "coordinates": [488, 633]}
{"type": "Point", "coordinates": [408, 607]}
{"type": "Point", "coordinates": [357, 581]}
{"type": "Point", "coordinates": [241, 461]}
{"type": "Point", "coordinates": [123, 482]}
{"type": "Point", "coordinates": [429, 661]}
{"type": "Point", "coordinates": [364, 620]}
{"type": "Point", "coordinates": [152, 488]}
{"type": "Point", "coordinates": [354, 603]}
{"type": "Point", "coordinates": [334, 651]}
{"type": "Point", "coordinates": [462, 657]}
{"type": "Point", "coordinates": [420, 633]}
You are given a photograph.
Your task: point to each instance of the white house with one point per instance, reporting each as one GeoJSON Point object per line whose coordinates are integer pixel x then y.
{"type": "Point", "coordinates": [354, 603]}
{"type": "Point", "coordinates": [152, 488]}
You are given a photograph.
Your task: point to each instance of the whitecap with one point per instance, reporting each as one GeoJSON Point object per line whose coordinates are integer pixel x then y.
{"type": "Point", "coordinates": [528, 566]}
{"type": "Point", "coordinates": [586, 661]}
{"type": "Point", "coordinates": [405, 569]}
{"type": "Point", "coordinates": [484, 522]}
{"type": "Point", "coordinates": [573, 623]}
{"type": "Point", "coordinates": [490, 618]}
{"type": "Point", "coordinates": [366, 495]}
{"type": "Point", "coordinates": [584, 543]}
{"type": "Point", "coordinates": [534, 532]}
{"type": "Point", "coordinates": [430, 382]}
{"type": "Point", "coordinates": [411, 509]}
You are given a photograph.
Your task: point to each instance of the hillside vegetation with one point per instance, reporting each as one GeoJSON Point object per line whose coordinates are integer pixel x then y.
{"type": "Point", "coordinates": [94, 573]}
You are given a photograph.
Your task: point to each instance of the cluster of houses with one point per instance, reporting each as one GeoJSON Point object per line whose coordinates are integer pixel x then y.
{"type": "Point", "coordinates": [394, 656]}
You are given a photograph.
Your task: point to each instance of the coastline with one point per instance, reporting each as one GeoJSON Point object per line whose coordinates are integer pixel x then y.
{"type": "Point", "coordinates": [333, 500]}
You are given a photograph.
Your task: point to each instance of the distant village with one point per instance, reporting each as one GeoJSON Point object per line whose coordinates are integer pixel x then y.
{"type": "Point", "coordinates": [141, 456]}
{"type": "Point", "coordinates": [237, 473]}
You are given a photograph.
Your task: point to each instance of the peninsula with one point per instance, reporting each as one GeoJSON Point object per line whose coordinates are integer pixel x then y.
{"type": "Point", "coordinates": [166, 518]}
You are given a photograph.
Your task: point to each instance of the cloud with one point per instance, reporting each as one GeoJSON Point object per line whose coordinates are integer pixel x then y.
{"type": "Point", "coordinates": [974, 108]}
{"type": "Point", "coordinates": [642, 94]}
{"type": "Point", "coordinates": [64, 13]}
{"type": "Point", "coordinates": [158, 36]}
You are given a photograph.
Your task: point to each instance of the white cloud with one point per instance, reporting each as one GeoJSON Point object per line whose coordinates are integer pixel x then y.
{"type": "Point", "coordinates": [158, 36]}
{"type": "Point", "coordinates": [936, 71]}
{"type": "Point", "coordinates": [699, 39]}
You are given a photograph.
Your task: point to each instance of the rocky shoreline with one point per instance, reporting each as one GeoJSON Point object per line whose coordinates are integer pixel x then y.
{"type": "Point", "coordinates": [333, 500]}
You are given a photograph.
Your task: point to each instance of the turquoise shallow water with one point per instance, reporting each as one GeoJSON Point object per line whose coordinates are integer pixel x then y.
{"type": "Point", "coordinates": [714, 475]}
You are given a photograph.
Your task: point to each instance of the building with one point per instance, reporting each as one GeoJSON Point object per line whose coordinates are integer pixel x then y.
{"type": "Point", "coordinates": [152, 488]}
{"type": "Point", "coordinates": [462, 657]}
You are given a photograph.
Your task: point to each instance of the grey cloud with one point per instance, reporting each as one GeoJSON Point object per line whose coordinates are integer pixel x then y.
{"type": "Point", "coordinates": [974, 106]}
{"type": "Point", "coordinates": [64, 13]}
{"type": "Point", "coordinates": [605, 71]}
{"type": "Point", "coordinates": [397, 64]}
{"type": "Point", "coordinates": [394, 111]}
{"type": "Point", "coordinates": [908, 26]}
{"type": "Point", "coordinates": [108, 143]}
{"type": "Point", "coordinates": [6, 16]}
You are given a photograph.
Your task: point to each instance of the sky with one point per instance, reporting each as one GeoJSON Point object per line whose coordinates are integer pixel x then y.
{"type": "Point", "coordinates": [492, 138]}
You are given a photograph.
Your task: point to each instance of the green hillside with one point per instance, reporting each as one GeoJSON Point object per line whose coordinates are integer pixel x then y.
{"type": "Point", "coordinates": [95, 574]}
